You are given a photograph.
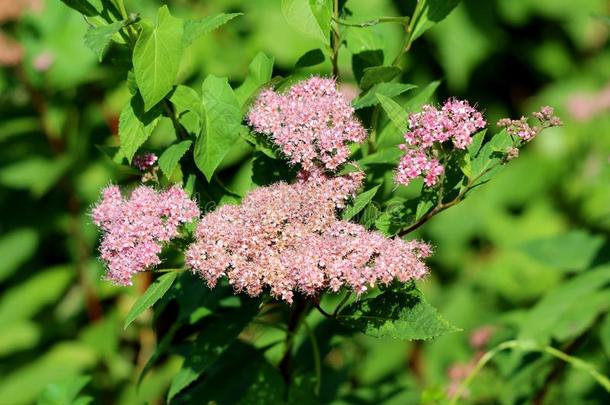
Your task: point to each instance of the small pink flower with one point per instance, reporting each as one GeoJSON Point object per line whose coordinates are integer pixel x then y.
{"type": "Point", "coordinates": [145, 161]}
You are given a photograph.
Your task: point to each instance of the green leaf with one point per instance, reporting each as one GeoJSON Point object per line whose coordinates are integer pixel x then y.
{"type": "Point", "coordinates": [259, 73]}
{"type": "Point", "coordinates": [395, 112]}
{"type": "Point", "coordinates": [364, 60]}
{"type": "Point", "coordinates": [135, 126]}
{"type": "Point", "coordinates": [422, 97]}
{"type": "Point", "coordinates": [389, 156]}
{"type": "Point", "coordinates": [34, 293]}
{"type": "Point", "coordinates": [98, 38]}
{"type": "Point", "coordinates": [488, 156]}
{"type": "Point", "coordinates": [152, 294]}
{"type": "Point", "coordinates": [547, 317]}
{"type": "Point", "coordinates": [399, 312]}
{"type": "Point", "coordinates": [359, 203]}
{"type": "Point", "coordinates": [36, 174]}
{"type": "Point", "coordinates": [171, 156]}
{"type": "Point", "coordinates": [604, 334]}
{"type": "Point", "coordinates": [185, 99]}
{"type": "Point", "coordinates": [222, 119]}
{"type": "Point", "coordinates": [465, 165]}
{"type": "Point", "coordinates": [64, 361]}
{"type": "Point", "coordinates": [212, 341]}
{"type": "Point", "coordinates": [193, 29]}
{"type": "Point", "coordinates": [310, 58]}
{"type": "Point", "coordinates": [571, 251]}
{"type": "Point", "coordinates": [156, 57]}
{"type": "Point", "coordinates": [16, 248]}
{"type": "Point", "coordinates": [82, 6]}
{"type": "Point", "coordinates": [18, 336]}
{"type": "Point", "coordinates": [300, 15]}
{"type": "Point", "coordinates": [378, 74]}
{"type": "Point", "coordinates": [390, 90]}
{"type": "Point", "coordinates": [432, 12]}
{"type": "Point", "coordinates": [477, 141]}
{"type": "Point", "coordinates": [65, 392]}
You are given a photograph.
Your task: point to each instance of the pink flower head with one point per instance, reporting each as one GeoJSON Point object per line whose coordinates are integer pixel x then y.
{"type": "Point", "coordinates": [456, 121]}
{"type": "Point", "coordinates": [136, 227]}
{"type": "Point", "coordinates": [145, 161]}
{"type": "Point", "coordinates": [286, 238]}
{"type": "Point", "coordinates": [521, 128]}
{"type": "Point", "coordinates": [312, 123]}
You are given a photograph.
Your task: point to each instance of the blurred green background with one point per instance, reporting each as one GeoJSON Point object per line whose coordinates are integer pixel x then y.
{"type": "Point", "coordinates": [524, 256]}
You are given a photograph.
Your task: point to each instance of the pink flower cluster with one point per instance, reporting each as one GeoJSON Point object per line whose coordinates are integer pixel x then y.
{"type": "Point", "coordinates": [312, 123]}
{"type": "Point", "coordinates": [145, 161]}
{"type": "Point", "coordinates": [521, 128]}
{"type": "Point", "coordinates": [456, 121]}
{"type": "Point", "coordinates": [287, 238]}
{"type": "Point", "coordinates": [135, 228]}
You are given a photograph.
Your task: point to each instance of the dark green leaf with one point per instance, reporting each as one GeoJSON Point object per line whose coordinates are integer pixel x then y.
{"type": "Point", "coordinates": [135, 126]}
{"type": "Point", "coordinates": [194, 29]}
{"type": "Point", "coordinates": [171, 156]}
{"type": "Point", "coordinates": [156, 57]}
{"type": "Point", "coordinates": [571, 251]}
{"type": "Point", "coordinates": [364, 60]}
{"type": "Point", "coordinates": [390, 90]}
{"type": "Point", "coordinates": [378, 74]}
{"type": "Point", "coordinates": [310, 58]}
{"type": "Point", "coordinates": [222, 119]}
{"type": "Point", "coordinates": [82, 6]}
{"type": "Point", "coordinates": [152, 294]}
{"type": "Point", "coordinates": [259, 73]}
{"type": "Point", "coordinates": [98, 38]}
{"type": "Point", "coordinates": [433, 11]}
{"type": "Point", "coordinates": [212, 341]}
{"type": "Point", "coordinates": [359, 203]}
{"type": "Point", "coordinates": [399, 312]}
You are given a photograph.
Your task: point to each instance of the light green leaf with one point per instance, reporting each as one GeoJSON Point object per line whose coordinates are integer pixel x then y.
{"type": "Point", "coordinates": [571, 251]}
{"type": "Point", "coordinates": [16, 248]}
{"type": "Point", "coordinates": [300, 15]}
{"type": "Point", "coordinates": [389, 155]}
{"type": "Point", "coordinates": [62, 362]}
{"type": "Point", "coordinates": [171, 156]}
{"type": "Point", "coordinates": [465, 165]}
{"type": "Point", "coordinates": [222, 119]}
{"type": "Point", "coordinates": [395, 112]}
{"type": "Point", "coordinates": [212, 342]}
{"type": "Point", "coordinates": [259, 73]}
{"type": "Point", "coordinates": [185, 99]}
{"type": "Point", "coordinates": [65, 392]}
{"type": "Point", "coordinates": [399, 313]}
{"type": "Point", "coordinates": [193, 29]}
{"type": "Point", "coordinates": [378, 74]}
{"type": "Point", "coordinates": [359, 203]}
{"type": "Point", "coordinates": [34, 293]}
{"type": "Point", "coordinates": [390, 90]}
{"type": "Point", "coordinates": [156, 57]}
{"type": "Point", "coordinates": [152, 294]}
{"type": "Point", "coordinates": [20, 335]}
{"type": "Point", "coordinates": [488, 156]}
{"type": "Point", "coordinates": [422, 97]}
{"type": "Point", "coordinates": [135, 126]}
{"type": "Point", "coordinates": [98, 38]}
{"type": "Point", "coordinates": [477, 141]}
{"type": "Point", "coordinates": [36, 174]}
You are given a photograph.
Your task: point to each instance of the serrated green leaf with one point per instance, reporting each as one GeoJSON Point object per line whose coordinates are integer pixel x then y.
{"type": "Point", "coordinates": [395, 112]}
{"type": "Point", "coordinates": [135, 126]}
{"type": "Point", "coordinates": [211, 343]}
{"type": "Point", "coordinates": [389, 156]}
{"type": "Point", "coordinates": [364, 60]}
{"type": "Point", "coordinates": [16, 247]}
{"type": "Point", "coordinates": [359, 203]}
{"type": "Point", "coordinates": [222, 120]}
{"type": "Point", "coordinates": [259, 73]}
{"type": "Point", "coordinates": [399, 313]}
{"type": "Point", "coordinates": [390, 90]}
{"type": "Point", "coordinates": [571, 251]}
{"type": "Point", "coordinates": [98, 39]}
{"type": "Point", "coordinates": [488, 155]}
{"type": "Point", "coordinates": [171, 156]}
{"type": "Point", "coordinates": [378, 74]}
{"type": "Point", "coordinates": [156, 57]}
{"type": "Point", "coordinates": [152, 294]}
{"type": "Point", "coordinates": [310, 58]}
{"type": "Point", "coordinates": [82, 6]}
{"type": "Point", "coordinates": [300, 15]}
{"type": "Point", "coordinates": [477, 141]}
{"type": "Point", "coordinates": [193, 29]}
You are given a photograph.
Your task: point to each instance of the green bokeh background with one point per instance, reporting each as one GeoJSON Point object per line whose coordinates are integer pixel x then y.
{"type": "Point", "coordinates": [537, 226]}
